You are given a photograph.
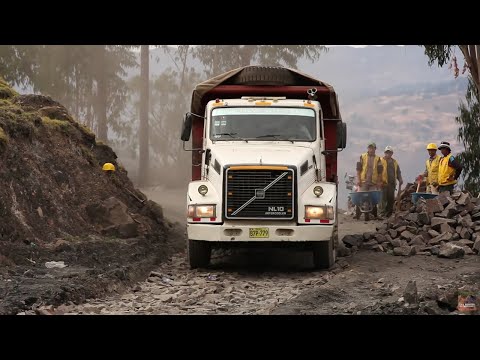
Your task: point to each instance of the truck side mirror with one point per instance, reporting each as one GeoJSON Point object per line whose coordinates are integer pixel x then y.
{"type": "Point", "coordinates": [186, 127]}
{"type": "Point", "coordinates": [341, 135]}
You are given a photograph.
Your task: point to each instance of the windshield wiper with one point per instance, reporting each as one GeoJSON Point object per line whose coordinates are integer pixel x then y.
{"type": "Point", "coordinates": [276, 137]}
{"type": "Point", "coordinates": [232, 135]}
{"type": "Point", "coordinates": [265, 136]}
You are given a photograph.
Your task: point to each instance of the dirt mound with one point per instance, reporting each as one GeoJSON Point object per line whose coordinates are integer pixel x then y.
{"type": "Point", "coordinates": [51, 173]}
{"type": "Point", "coordinates": [55, 198]}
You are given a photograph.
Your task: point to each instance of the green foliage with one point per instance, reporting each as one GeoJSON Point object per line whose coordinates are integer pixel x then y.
{"type": "Point", "coordinates": [61, 125]}
{"type": "Point", "coordinates": [3, 138]}
{"type": "Point", "coordinates": [6, 91]}
{"type": "Point", "coordinates": [69, 74]}
{"type": "Point", "coordinates": [469, 134]}
{"type": "Point", "coordinates": [439, 54]}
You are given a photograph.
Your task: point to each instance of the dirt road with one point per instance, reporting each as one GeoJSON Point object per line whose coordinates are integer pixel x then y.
{"type": "Point", "coordinates": [263, 281]}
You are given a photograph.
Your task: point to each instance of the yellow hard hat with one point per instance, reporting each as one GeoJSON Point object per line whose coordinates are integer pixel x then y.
{"type": "Point", "coordinates": [432, 146]}
{"type": "Point", "coordinates": [108, 167]}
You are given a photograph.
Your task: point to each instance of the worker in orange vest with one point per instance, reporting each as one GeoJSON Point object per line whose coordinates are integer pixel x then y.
{"type": "Point", "coordinates": [431, 169]}
{"type": "Point", "coordinates": [449, 169]}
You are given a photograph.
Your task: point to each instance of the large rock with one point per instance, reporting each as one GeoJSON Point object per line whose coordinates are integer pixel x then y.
{"type": "Point", "coordinates": [448, 299]}
{"type": "Point", "coordinates": [424, 234]}
{"type": "Point", "coordinates": [444, 237]}
{"type": "Point", "coordinates": [467, 221]}
{"type": "Point", "coordinates": [352, 240]}
{"type": "Point", "coordinates": [418, 240]}
{"type": "Point", "coordinates": [435, 250]}
{"type": "Point", "coordinates": [113, 218]}
{"type": "Point", "coordinates": [451, 251]}
{"type": "Point", "coordinates": [449, 211]}
{"type": "Point", "coordinates": [380, 238]}
{"type": "Point", "coordinates": [410, 294]}
{"type": "Point", "coordinates": [369, 244]}
{"type": "Point", "coordinates": [465, 234]}
{"type": "Point", "coordinates": [446, 228]}
{"type": "Point", "coordinates": [404, 251]}
{"type": "Point", "coordinates": [407, 235]}
{"type": "Point", "coordinates": [123, 231]}
{"type": "Point", "coordinates": [396, 243]}
{"type": "Point", "coordinates": [443, 200]}
{"type": "Point", "coordinates": [465, 242]}
{"type": "Point", "coordinates": [342, 250]}
{"type": "Point", "coordinates": [464, 199]}
{"type": "Point", "coordinates": [476, 245]}
{"type": "Point", "coordinates": [155, 210]}
{"type": "Point", "coordinates": [423, 218]}
{"type": "Point", "coordinates": [368, 235]}
{"type": "Point", "coordinates": [393, 233]}
{"type": "Point", "coordinates": [434, 205]}
{"type": "Point", "coordinates": [412, 217]}
{"type": "Point", "coordinates": [437, 221]}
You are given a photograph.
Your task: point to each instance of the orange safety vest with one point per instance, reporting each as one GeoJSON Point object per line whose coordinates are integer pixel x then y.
{"type": "Point", "coordinates": [433, 169]}
{"type": "Point", "coordinates": [384, 174]}
{"type": "Point", "coordinates": [363, 174]}
{"type": "Point", "coordinates": [445, 171]}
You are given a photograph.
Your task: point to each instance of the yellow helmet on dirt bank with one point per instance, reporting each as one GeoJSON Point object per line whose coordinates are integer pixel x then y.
{"type": "Point", "coordinates": [108, 167]}
{"type": "Point", "coordinates": [432, 146]}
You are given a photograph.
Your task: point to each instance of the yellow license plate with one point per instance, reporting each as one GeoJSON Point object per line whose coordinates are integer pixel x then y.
{"type": "Point", "coordinates": [259, 233]}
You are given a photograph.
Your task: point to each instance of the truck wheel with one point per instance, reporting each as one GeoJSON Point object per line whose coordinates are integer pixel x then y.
{"type": "Point", "coordinates": [199, 253]}
{"type": "Point", "coordinates": [264, 75]}
{"type": "Point", "coordinates": [323, 254]}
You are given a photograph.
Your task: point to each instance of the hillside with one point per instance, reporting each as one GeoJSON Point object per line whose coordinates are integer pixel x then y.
{"type": "Point", "coordinates": [57, 205]}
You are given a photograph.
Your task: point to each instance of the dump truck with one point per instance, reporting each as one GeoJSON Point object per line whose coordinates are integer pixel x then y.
{"type": "Point", "coordinates": [264, 143]}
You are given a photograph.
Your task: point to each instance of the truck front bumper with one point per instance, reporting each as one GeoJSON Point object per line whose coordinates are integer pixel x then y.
{"type": "Point", "coordinates": [234, 233]}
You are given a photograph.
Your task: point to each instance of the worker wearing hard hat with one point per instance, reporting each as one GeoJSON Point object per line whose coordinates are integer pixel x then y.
{"type": "Point", "coordinates": [449, 169]}
{"type": "Point", "coordinates": [369, 173]}
{"type": "Point", "coordinates": [391, 173]}
{"type": "Point", "coordinates": [431, 169]}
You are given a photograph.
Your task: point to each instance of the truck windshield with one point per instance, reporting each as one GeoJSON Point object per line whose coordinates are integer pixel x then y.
{"type": "Point", "coordinates": [263, 124]}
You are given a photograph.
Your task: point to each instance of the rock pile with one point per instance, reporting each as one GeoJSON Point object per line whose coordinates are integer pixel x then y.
{"type": "Point", "coordinates": [447, 226]}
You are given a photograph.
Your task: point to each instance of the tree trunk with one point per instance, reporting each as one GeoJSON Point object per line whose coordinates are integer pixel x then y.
{"type": "Point", "coordinates": [143, 130]}
{"type": "Point", "coordinates": [478, 67]}
{"type": "Point", "coordinates": [246, 54]}
{"type": "Point", "coordinates": [471, 56]}
{"type": "Point", "coordinates": [101, 109]}
{"type": "Point", "coordinates": [77, 95]}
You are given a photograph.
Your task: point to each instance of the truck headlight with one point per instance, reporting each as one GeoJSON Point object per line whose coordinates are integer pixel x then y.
{"type": "Point", "coordinates": [202, 211]}
{"type": "Point", "coordinates": [203, 190]}
{"type": "Point", "coordinates": [318, 190]}
{"type": "Point", "coordinates": [319, 212]}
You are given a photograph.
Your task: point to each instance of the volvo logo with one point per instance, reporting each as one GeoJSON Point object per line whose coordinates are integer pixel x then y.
{"type": "Point", "coordinates": [260, 194]}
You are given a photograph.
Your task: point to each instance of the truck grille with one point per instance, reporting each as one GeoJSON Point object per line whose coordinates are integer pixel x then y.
{"type": "Point", "coordinates": [259, 193]}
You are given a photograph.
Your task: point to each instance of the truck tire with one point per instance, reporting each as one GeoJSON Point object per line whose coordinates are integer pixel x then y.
{"type": "Point", "coordinates": [324, 252]}
{"type": "Point", "coordinates": [199, 253]}
{"type": "Point", "coordinates": [264, 75]}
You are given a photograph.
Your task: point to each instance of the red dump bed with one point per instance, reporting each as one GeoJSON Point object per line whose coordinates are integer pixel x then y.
{"type": "Point", "coordinates": [225, 86]}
